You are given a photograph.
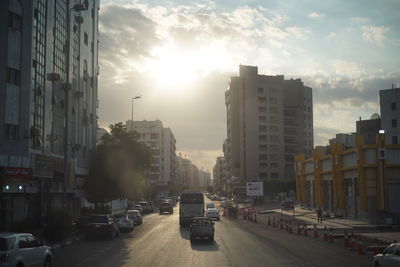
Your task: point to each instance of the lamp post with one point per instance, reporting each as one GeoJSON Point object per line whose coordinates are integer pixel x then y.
{"type": "Point", "coordinates": [134, 98]}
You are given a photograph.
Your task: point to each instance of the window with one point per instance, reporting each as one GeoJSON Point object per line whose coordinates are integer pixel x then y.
{"type": "Point", "coordinates": [273, 147]}
{"type": "Point", "coordinates": [11, 132]}
{"type": "Point", "coordinates": [273, 100]}
{"type": "Point", "coordinates": [273, 129]}
{"type": "Point", "coordinates": [274, 138]}
{"type": "Point", "coordinates": [263, 147]}
{"type": "Point", "coordinates": [23, 242]}
{"type": "Point", "coordinates": [273, 109]}
{"type": "Point", "coordinates": [262, 109]}
{"type": "Point", "coordinates": [393, 105]}
{"type": "Point", "coordinates": [14, 21]}
{"type": "Point", "coordinates": [273, 90]}
{"type": "Point", "coordinates": [13, 76]}
{"type": "Point", "coordinates": [274, 175]}
{"type": "Point", "coordinates": [264, 175]}
{"type": "Point", "coordinates": [262, 128]}
{"type": "Point", "coordinates": [85, 38]}
{"type": "Point", "coordinates": [274, 165]}
{"type": "Point", "coordinates": [263, 137]}
{"type": "Point", "coordinates": [262, 99]}
{"type": "Point", "coordinates": [262, 118]}
{"type": "Point", "coordinates": [260, 91]}
{"type": "Point", "coordinates": [394, 140]}
{"type": "Point", "coordinates": [263, 165]}
{"type": "Point", "coordinates": [394, 123]}
{"type": "Point", "coordinates": [263, 157]}
{"type": "Point", "coordinates": [155, 136]}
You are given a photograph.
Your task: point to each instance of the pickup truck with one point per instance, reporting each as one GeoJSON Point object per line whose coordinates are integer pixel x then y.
{"type": "Point", "coordinates": [200, 228]}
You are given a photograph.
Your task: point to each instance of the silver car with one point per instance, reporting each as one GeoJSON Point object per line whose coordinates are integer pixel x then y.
{"type": "Point", "coordinates": [23, 249]}
{"type": "Point", "coordinates": [390, 257]}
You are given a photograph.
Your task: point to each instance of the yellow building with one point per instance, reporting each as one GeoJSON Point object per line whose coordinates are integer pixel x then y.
{"type": "Point", "coordinates": [362, 182]}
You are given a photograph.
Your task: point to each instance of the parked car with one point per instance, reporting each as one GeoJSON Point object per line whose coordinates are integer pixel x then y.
{"type": "Point", "coordinates": [102, 225]}
{"type": "Point", "coordinates": [390, 257]}
{"type": "Point", "coordinates": [166, 206]}
{"type": "Point", "coordinates": [135, 215]}
{"type": "Point", "coordinates": [200, 228]}
{"type": "Point", "coordinates": [124, 222]}
{"type": "Point", "coordinates": [23, 249]}
{"type": "Point", "coordinates": [147, 206]}
{"type": "Point", "coordinates": [136, 207]}
{"type": "Point", "coordinates": [213, 213]}
{"type": "Point", "coordinates": [223, 204]}
{"type": "Point", "coordinates": [210, 205]}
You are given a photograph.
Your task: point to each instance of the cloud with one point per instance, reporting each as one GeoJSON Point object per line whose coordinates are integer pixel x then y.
{"type": "Point", "coordinates": [360, 20]}
{"type": "Point", "coordinates": [203, 159]}
{"type": "Point", "coordinates": [299, 32]}
{"type": "Point", "coordinates": [315, 15]}
{"type": "Point", "coordinates": [374, 34]}
{"type": "Point", "coordinates": [331, 35]}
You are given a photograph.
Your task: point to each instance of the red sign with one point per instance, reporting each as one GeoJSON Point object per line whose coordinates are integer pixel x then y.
{"type": "Point", "coordinates": [11, 172]}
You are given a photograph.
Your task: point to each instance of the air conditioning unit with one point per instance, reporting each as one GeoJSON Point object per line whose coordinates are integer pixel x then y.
{"type": "Point", "coordinates": [78, 94]}
{"type": "Point", "coordinates": [35, 131]}
{"type": "Point", "coordinates": [381, 153]}
{"type": "Point", "coordinates": [66, 86]}
{"type": "Point", "coordinates": [78, 19]}
{"type": "Point", "coordinates": [53, 77]}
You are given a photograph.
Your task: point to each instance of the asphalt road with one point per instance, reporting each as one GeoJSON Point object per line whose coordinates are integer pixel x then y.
{"type": "Point", "coordinates": [159, 241]}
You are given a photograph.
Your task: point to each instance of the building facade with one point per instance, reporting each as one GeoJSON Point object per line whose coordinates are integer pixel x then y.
{"type": "Point", "coordinates": [48, 104]}
{"type": "Point", "coordinates": [162, 143]}
{"type": "Point", "coordinates": [269, 121]}
{"type": "Point", "coordinates": [356, 175]}
{"type": "Point", "coordinates": [390, 114]}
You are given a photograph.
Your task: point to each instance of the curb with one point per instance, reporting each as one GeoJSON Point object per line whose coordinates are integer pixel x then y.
{"type": "Point", "coordinates": [66, 242]}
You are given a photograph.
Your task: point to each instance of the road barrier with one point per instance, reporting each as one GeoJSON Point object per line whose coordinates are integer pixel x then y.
{"type": "Point", "coordinates": [331, 236]}
{"type": "Point", "coordinates": [298, 229]}
{"type": "Point", "coordinates": [273, 222]}
{"type": "Point", "coordinates": [352, 241]}
{"type": "Point", "coordinates": [305, 230]}
{"type": "Point", "coordinates": [360, 248]}
{"type": "Point", "coordinates": [346, 239]}
{"type": "Point", "coordinates": [315, 231]}
{"type": "Point", "coordinates": [325, 236]}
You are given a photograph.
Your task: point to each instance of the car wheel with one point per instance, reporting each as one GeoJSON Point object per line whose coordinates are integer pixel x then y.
{"type": "Point", "coordinates": [47, 262]}
{"type": "Point", "coordinates": [377, 264]}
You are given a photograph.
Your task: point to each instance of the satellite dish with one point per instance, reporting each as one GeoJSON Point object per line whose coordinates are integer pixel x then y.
{"type": "Point", "coordinates": [375, 116]}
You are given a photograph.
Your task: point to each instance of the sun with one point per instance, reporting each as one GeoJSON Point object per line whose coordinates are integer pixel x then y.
{"type": "Point", "coordinates": [171, 67]}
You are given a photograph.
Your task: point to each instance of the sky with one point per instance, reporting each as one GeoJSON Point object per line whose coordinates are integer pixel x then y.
{"type": "Point", "coordinates": [179, 56]}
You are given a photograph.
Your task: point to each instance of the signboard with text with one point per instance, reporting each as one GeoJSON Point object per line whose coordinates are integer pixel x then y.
{"type": "Point", "coordinates": [255, 189]}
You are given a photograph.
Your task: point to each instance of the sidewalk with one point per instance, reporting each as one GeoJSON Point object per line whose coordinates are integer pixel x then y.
{"type": "Point", "coordinates": [385, 234]}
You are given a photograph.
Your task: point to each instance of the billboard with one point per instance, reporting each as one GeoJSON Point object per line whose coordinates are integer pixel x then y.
{"type": "Point", "coordinates": [254, 189]}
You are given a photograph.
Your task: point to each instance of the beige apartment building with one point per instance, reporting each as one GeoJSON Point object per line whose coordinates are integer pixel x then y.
{"type": "Point", "coordinates": [162, 143]}
{"type": "Point", "coordinates": [269, 121]}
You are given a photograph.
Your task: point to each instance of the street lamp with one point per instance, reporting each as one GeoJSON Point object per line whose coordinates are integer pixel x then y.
{"type": "Point", "coordinates": [133, 98]}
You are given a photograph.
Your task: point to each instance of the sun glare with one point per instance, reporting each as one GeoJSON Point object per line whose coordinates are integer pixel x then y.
{"type": "Point", "coordinates": [172, 68]}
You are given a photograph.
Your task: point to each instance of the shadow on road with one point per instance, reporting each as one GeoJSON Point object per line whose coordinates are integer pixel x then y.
{"type": "Point", "coordinates": [185, 234]}
{"type": "Point", "coordinates": [204, 245]}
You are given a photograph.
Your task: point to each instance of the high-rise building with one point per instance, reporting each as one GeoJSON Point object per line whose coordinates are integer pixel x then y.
{"type": "Point", "coordinates": [390, 114]}
{"type": "Point", "coordinates": [48, 103]}
{"type": "Point", "coordinates": [162, 143]}
{"type": "Point", "coordinates": [269, 121]}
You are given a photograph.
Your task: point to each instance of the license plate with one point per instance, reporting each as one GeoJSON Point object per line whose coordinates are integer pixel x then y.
{"type": "Point", "coordinates": [97, 226]}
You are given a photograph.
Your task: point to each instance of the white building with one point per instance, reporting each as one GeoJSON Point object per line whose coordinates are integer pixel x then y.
{"type": "Point", "coordinates": [162, 143]}
{"type": "Point", "coordinates": [390, 114]}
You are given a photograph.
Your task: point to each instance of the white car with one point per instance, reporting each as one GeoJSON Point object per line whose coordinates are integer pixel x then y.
{"type": "Point", "coordinates": [213, 213]}
{"type": "Point", "coordinates": [210, 205]}
{"type": "Point", "coordinates": [390, 257]}
{"type": "Point", "coordinates": [124, 222]}
{"type": "Point", "coordinates": [23, 249]}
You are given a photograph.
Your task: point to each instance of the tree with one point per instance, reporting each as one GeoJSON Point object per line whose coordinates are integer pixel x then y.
{"type": "Point", "coordinates": [118, 166]}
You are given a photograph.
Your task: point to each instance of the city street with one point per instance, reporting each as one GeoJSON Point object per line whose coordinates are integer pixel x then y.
{"type": "Point", "coordinates": [161, 242]}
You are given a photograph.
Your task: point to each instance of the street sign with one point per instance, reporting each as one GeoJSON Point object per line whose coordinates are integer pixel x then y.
{"type": "Point", "coordinates": [255, 189]}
